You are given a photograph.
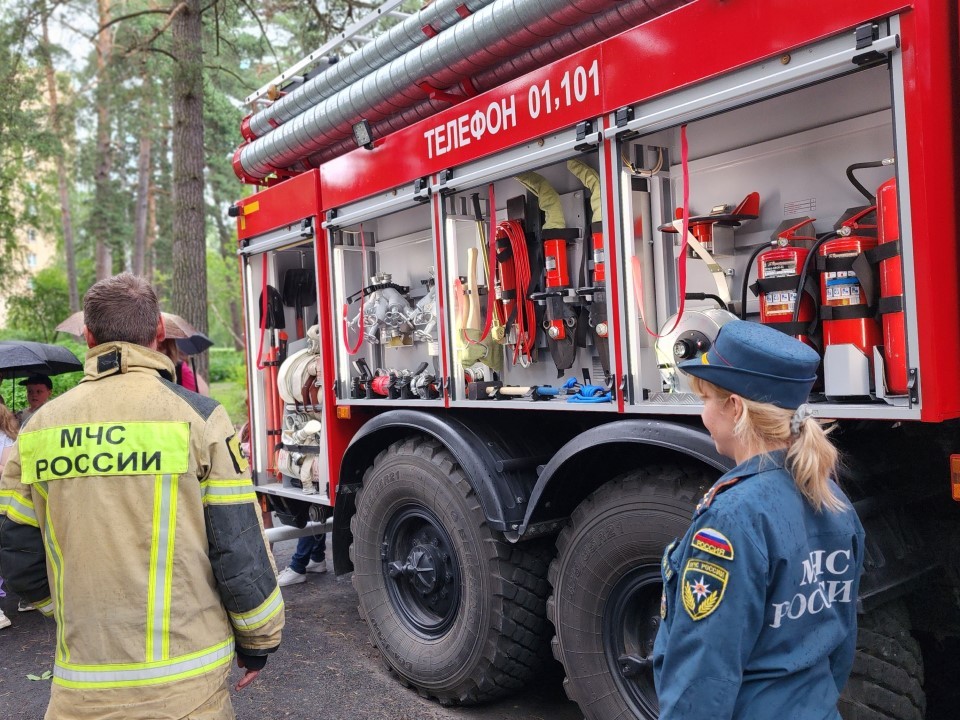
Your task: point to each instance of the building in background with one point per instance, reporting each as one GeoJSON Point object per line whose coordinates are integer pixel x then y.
{"type": "Point", "coordinates": [37, 251]}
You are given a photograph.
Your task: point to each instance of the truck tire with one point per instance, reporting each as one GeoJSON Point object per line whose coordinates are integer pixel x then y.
{"type": "Point", "coordinates": [887, 678]}
{"type": "Point", "coordinates": [456, 612]}
{"type": "Point", "coordinates": [606, 582]}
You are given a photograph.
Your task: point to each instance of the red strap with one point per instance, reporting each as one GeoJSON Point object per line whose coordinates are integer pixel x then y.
{"type": "Point", "coordinates": [346, 307]}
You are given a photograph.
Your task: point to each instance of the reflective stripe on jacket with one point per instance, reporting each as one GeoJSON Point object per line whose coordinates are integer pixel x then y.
{"type": "Point", "coordinates": [125, 511]}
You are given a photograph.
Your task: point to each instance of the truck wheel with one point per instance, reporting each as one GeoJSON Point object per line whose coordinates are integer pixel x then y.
{"type": "Point", "coordinates": [887, 678]}
{"type": "Point", "coordinates": [606, 583]}
{"type": "Point", "coordinates": [456, 611]}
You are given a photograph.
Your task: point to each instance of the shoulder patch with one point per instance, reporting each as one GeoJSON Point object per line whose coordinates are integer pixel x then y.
{"type": "Point", "coordinates": [714, 543]}
{"type": "Point", "coordinates": [703, 586]}
{"type": "Point", "coordinates": [240, 463]}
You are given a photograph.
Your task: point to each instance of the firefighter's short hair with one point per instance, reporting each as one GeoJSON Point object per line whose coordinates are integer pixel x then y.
{"type": "Point", "coordinates": [122, 308]}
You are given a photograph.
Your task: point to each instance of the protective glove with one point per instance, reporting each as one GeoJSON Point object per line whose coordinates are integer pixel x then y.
{"type": "Point", "coordinates": [253, 664]}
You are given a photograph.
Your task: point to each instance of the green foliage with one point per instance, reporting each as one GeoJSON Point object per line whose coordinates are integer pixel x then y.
{"type": "Point", "coordinates": [228, 382]}
{"type": "Point", "coordinates": [233, 397]}
{"type": "Point", "coordinates": [223, 290]}
{"type": "Point", "coordinates": [37, 312]}
{"type": "Point", "coordinates": [227, 365]}
{"type": "Point", "coordinates": [24, 144]}
{"type": "Point", "coordinates": [244, 45]}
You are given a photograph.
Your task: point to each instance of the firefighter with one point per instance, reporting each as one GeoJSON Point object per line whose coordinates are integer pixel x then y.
{"type": "Point", "coordinates": [127, 515]}
{"type": "Point", "coordinates": [759, 602]}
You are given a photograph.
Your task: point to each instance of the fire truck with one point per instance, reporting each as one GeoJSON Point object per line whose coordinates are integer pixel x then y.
{"type": "Point", "coordinates": [476, 250]}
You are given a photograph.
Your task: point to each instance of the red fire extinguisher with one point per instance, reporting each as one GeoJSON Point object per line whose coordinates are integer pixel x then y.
{"type": "Point", "coordinates": [845, 308]}
{"type": "Point", "coordinates": [891, 289]}
{"type": "Point", "coordinates": [778, 274]}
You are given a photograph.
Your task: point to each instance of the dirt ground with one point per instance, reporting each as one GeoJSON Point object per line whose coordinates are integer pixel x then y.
{"type": "Point", "coordinates": [325, 668]}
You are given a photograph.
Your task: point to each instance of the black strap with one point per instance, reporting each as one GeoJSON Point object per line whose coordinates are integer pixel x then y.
{"type": "Point", "coordinates": [582, 311]}
{"type": "Point", "coordinates": [835, 264]}
{"type": "Point", "coordinates": [869, 280]}
{"type": "Point", "coordinates": [371, 289]}
{"type": "Point", "coordinates": [568, 234]}
{"type": "Point", "coordinates": [884, 251]}
{"type": "Point", "coordinates": [774, 284]}
{"type": "Point", "coordinates": [537, 270]}
{"type": "Point", "coordinates": [791, 328]}
{"type": "Point", "coordinates": [302, 449]}
{"type": "Point", "coordinates": [845, 312]}
{"type": "Point", "coordinates": [891, 304]}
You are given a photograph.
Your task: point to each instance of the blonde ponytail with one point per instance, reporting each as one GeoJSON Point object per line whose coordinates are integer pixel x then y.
{"type": "Point", "coordinates": [812, 460]}
{"type": "Point", "coordinates": [811, 457]}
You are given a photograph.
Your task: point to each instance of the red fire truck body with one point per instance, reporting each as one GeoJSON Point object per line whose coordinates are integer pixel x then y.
{"type": "Point", "coordinates": [479, 425]}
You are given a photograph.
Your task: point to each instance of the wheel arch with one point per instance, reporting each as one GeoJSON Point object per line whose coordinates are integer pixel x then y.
{"type": "Point", "coordinates": [499, 460]}
{"type": "Point", "coordinates": [616, 447]}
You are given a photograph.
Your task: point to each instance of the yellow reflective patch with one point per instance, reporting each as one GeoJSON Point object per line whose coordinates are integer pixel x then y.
{"type": "Point", "coordinates": [240, 463]}
{"type": "Point", "coordinates": [101, 449]}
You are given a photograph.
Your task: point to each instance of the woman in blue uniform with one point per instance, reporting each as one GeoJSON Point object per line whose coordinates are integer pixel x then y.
{"type": "Point", "coordinates": [759, 601]}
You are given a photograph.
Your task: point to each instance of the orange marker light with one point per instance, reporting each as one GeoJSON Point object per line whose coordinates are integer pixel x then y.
{"type": "Point", "coordinates": [955, 477]}
{"type": "Point", "coordinates": [343, 413]}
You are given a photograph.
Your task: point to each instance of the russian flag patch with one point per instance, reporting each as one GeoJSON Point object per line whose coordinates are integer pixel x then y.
{"type": "Point", "coordinates": [714, 543]}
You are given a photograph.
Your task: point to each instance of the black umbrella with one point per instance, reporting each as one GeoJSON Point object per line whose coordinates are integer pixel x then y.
{"type": "Point", "coordinates": [195, 344]}
{"type": "Point", "coordinates": [20, 358]}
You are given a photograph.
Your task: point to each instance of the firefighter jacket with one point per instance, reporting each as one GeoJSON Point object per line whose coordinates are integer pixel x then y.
{"type": "Point", "coordinates": [759, 602]}
{"type": "Point", "coordinates": [126, 514]}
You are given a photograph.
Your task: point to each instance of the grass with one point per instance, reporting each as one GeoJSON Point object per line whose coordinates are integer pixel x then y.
{"type": "Point", "coordinates": [233, 397]}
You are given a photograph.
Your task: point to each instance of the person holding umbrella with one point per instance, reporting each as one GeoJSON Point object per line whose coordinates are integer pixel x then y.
{"type": "Point", "coordinates": [36, 362]}
{"type": "Point", "coordinates": [39, 388]}
{"type": "Point", "coordinates": [186, 377]}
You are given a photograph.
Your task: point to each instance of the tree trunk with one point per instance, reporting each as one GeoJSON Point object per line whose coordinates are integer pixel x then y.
{"type": "Point", "coordinates": [228, 251]}
{"type": "Point", "coordinates": [66, 218]}
{"type": "Point", "coordinates": [144, 167]}
{"type": "Point", "coordinates": [149, 259]}
{"type": "Point", "coordinates": [100, 219]}
{"type": "Point", "coordinates": [189, 247]}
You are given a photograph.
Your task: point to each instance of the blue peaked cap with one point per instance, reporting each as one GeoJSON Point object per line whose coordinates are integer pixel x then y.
{"type": "Point", "coordinates": [758, 363]}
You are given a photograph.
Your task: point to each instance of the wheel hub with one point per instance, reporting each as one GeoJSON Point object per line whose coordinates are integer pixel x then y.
{"type": "Point", "coordinates": [631, 620]}
{"type": "Point", "coordinates": [422, 569]}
